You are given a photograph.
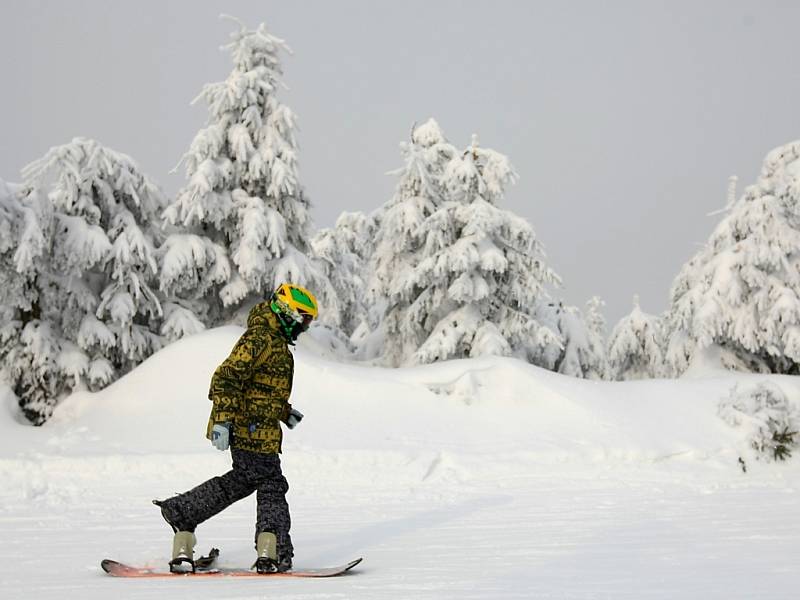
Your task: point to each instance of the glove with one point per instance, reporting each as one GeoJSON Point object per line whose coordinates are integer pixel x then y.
{"type": "Point", "coordinates": [221, 435]}
{"type": "Point", "coordinates": [295, 416]}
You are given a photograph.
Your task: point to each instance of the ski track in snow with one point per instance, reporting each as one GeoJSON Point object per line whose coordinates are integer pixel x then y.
{"type": "Point", "coordinates": [625, 531]}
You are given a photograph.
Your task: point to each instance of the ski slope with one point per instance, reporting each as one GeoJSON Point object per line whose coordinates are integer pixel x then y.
{"type": "Point", "coordinates": [486, 478]}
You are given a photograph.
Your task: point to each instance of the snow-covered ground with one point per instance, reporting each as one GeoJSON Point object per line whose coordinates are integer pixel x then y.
{"type": "Point", "coordinates": [470, 479]}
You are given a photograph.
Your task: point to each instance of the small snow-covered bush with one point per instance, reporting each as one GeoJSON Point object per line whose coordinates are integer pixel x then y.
{"type": "Point", "coordinates": [770, 419]}
{"type": "Point", "coordinates": [635, 346]}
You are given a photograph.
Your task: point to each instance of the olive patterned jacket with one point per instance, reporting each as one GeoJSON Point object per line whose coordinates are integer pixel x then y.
{"type": "Point", "coordinates": [250, 390]}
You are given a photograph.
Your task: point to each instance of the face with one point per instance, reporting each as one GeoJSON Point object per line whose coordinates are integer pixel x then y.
{"type": "Point", "coordinates": [299, 324]}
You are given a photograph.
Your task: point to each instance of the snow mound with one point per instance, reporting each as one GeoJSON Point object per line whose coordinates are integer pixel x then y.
{"type": "Point", "coordinates": [490, 407]}
{"type": "Point", "coordinates": [537, 476]}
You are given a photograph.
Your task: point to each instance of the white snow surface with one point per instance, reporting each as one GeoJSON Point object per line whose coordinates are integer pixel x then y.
{"type": "Point", "coordinates": [484, 478]}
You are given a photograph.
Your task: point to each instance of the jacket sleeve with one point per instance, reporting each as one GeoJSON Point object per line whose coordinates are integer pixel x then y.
{"type": "Point", "coordinates": [230, 377]}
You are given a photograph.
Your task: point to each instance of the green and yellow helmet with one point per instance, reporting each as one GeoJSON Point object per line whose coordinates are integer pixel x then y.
{"type": "Point", "coordinates": [295, 308]}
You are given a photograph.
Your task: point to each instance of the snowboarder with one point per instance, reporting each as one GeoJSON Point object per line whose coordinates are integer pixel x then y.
{"type": "Point", "coordinates": [250, 395]}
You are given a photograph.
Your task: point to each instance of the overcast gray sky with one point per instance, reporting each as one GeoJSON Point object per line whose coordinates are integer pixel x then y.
{"type": "Point", "coordinates": [624, 119]}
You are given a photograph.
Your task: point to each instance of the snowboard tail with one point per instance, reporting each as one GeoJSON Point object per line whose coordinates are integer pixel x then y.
{"type": "Point", "coordinates": [118, 569]}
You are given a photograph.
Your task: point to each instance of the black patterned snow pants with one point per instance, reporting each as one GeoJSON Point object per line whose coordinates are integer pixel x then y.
{"type": "Point", "coordinates": [252, 471]}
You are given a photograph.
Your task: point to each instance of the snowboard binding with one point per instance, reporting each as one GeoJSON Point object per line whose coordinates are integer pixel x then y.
{"type": "Point", "coordinates": [265, 565]}
{"type": "Point", "coordinates": [183, 552]}
{"type": "Point", "coordinates": [183, 564]}
{"type": "Point", "coordinates": [268, 560]}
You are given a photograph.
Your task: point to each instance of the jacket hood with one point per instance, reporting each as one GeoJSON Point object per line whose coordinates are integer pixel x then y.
{"type": "Point", "coordinates": [261, 315]}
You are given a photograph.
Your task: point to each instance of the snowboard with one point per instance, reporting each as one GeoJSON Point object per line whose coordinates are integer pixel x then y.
{"type": "Point", "coordinates": [117, 569]}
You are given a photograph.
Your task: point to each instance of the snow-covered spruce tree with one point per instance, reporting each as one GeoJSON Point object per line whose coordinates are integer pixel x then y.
{"type": "Point", "coordinates": [14, 286]}
{"type": "Point", "coordinates": [28, 349]}
{"type": "Point", "coordinates": [400, 241]}
{"type": "Point", "coordinates": [581, 349]}
{"type": "Point", "coordinates": [684, 296]}
{"type": "Point", "coordinates": [86, 310]}
{"type": "Point", "coordinates": [596, 321]}
{"type": "Point", "coordinates": [474, 282]}
{"type": "Point", "coordinates": [741, 293]}
{"type": "Point", "coordinates": [242, 222]}
{"type": "Point", "coordinates": [635, 346]}
{"type": "Point", "coordinates": [343, 251]}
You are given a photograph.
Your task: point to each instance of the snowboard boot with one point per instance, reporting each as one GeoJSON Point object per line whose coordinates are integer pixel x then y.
{"type": "Point", "coordinates": [268, 560]}
{"type": "Point", "coordinates": [183, 552]}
